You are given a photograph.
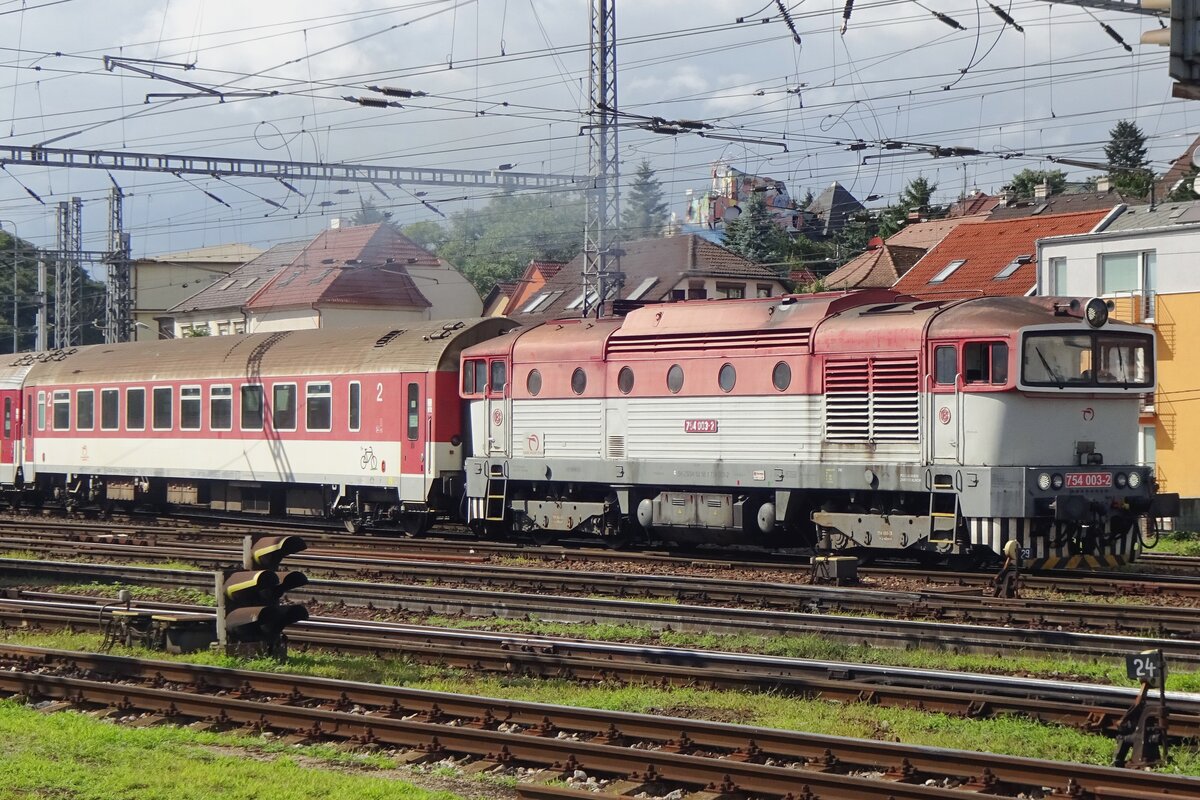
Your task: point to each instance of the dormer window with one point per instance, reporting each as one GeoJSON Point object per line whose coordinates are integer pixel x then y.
{"type": "Point", "coordinates": [948, 270]}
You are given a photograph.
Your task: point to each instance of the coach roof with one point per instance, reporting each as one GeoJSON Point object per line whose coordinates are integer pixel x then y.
{"type": "Point", "coordinates": [417, 347]}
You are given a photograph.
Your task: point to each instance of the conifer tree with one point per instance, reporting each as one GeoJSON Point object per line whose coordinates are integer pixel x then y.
{"type": "Point", "coordinates": [645, 212]}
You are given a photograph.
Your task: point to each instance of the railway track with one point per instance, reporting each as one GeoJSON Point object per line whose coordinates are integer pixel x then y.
{"type": "Point", "coordinates": [879, 632]}
{"type": "Point", "coordinates": [629, 752]}
{"type": "Point", "coordinates": [1085, 706]}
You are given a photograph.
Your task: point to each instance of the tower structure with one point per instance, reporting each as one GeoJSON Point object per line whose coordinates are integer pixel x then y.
{"type": "Point", "coordinates": [601, 266]}
{"type": "Point", "coordinates": [67, 273]}
{"type": "Point", "coordinates": [118, 306]}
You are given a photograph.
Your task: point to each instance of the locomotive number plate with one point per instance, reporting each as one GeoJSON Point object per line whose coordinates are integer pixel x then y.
{"type": "Point", "coordinates": [699, 426]}
{"type": "Point", "coordinates": [1088, 480]}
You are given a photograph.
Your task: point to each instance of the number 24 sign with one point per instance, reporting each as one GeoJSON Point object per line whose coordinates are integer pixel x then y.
{"type": "Point", "coordinates": [1147, 667]}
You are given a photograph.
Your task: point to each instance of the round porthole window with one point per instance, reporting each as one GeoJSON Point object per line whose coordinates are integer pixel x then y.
{"type": "Point", "coordinates": [781, 376]}
{"type": "Point", "coordinates": [675, 378]}
{"type": "Point", "coordinates": [534, 382]}
{"type": "Point", "coordinates": [727, 377]}
{"type": "Point", "coordinates": [578, 381]}
{"type": "Point", "coordinates": [625, 380]}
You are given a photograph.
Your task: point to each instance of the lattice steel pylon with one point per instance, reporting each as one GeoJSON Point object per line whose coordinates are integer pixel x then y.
{"type": "Point", "coordinates": [67, 270]}
{"type": "Point", "coordinates": [118, 302]}
{"type": "Point", "coordinates": [601, 262]}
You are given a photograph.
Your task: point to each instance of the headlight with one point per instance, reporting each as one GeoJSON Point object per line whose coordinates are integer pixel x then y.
{"type": "Point", "coordinates": [1057, 481]}
{"type": "Point", "coordinates": [1044, 481]}
{"type": "Point", "coordinates": [1121, 480]}
{"type": "Point", "coordinates": [1135, 479]}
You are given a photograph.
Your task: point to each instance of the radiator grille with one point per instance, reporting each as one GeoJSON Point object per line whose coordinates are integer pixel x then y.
{"type": "Point", "coordinates": [872, 399]}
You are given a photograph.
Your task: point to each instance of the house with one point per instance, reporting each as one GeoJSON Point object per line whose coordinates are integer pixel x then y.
{"type": "Point", "coordinates": [524, 289]}
{"type": "Point", "coordinates": [928, 233]}
{"type": "Point", "coordinates": [346, 276]}
{"type": "Point", "coordinates": [877, 267]}
{"type": "Point", "coordinates": [673, 268]}
{"type": "Point", "coordinates": [1181, 170]}
{"type": "Point", "coordinates": [1044, 203]}
{"type": "Point", "coordinates": [159, 282]}
{"type": "Point", "coordinates": [974, 204]}
{"type": "Point", "coordinates": [731, 189]}
{"type": "Point", "coordinates": [1144, 261]}
{"type": "Point", "coordinates": [499, 298]}
{"type": "Point", "coordinates": [993, 257]}
{"type": "Point", "coordinates": [833, 208]}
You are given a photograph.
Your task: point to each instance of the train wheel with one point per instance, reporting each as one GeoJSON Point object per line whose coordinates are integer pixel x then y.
{"type": "Point", "coordinates": [415, 524]}
{"type": "Point", "coordinates": [352, 525]}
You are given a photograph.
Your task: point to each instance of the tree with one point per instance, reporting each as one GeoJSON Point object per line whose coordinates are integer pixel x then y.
{"type": "Point", "coordinates": [426, 233]}
{"type": "Point", "coordinates": [1185, 188]}
{"type": "Point", "coordinates": [1026, 181]}
{"type": "Point", "coordinates": [917, 196]}
{"type": "Point", "coordinates": [645, 212]}
{"type": "Point", "coordinates": [1129, 171]}
{"type": "Point", "coordinates": [369, 214]}
{"type": "Point", "coordinates": [754, 234]}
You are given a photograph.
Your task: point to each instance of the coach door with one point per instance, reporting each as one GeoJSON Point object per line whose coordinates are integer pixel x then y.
{"type": "Point", "coordinates": [944, 404]}
{"type": "Point", "coordinates": [415, 437]}
{"type": "Point", "coordinates": [11, 440]}
{"type": "Point", "coordinates": [497, 407]}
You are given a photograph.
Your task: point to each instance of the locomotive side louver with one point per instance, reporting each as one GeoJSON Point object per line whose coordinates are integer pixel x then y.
{"type": "Point", "coordinates": [872, 399]}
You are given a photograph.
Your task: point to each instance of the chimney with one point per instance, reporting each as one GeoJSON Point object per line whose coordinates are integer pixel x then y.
{"type": "Point", "coordinates": [1041, 191]}
{"type": "Point", "coordinates": [335, 223]}
{"type": "Point", "coordinates": [1103, 184]}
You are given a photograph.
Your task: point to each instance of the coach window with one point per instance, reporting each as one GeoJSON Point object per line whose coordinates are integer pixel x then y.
{"type": "Point", "coordinates": [220, 408]}
{"type": "Point", "coordinates": [110, 410]}
{"type": "Point", "coordinates": [985, 362]}
{"type": "Point", "coordinates": [189, 408]}
{"type": "Point", "coordinates": [945, 366]}
{"type": "Point", "coordinates": [675, 379]}
{"type": "Point", "coordinates": [41, 420]}
{"type": "Point", "coordinates": [8, 418]}
{"type": "Point", "coordinates": [85, 410]}
{"type": "Point", "coordinates": [499, 377]}
{"type": "Point", "coordinates": [413, 406]}
{"type": "Point", "coordinates": [283, 407]}
{"type": "Point", "coordinates": [62, 411]}
{"type": "Point", "coordinates": [135, 409]}
{"type": "Point", "coordinates": [161, 419]}
{"type": "Point", "coordinates": [355, 405]}
{"type": "Point", "coordinates": [318, 410]}
{"type": "Point", "coordinates": [252, 408]}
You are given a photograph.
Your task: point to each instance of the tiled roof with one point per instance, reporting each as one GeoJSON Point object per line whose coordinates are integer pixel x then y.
{"type": "Point", "coordinates": [803, 276]}
{"type": "Point", "coordinates": [234, 290]}
{"type": "Point", "coordinates": [362, 265]}
{"type": "Point", "coordinates": [652, 268]}
{"type": "Point", "coordinates": [985, 249]}
{"type": "Point", "coordinates": [1160, 216]}
{"type": "Point", "coordinates": [879, 268]}
{"type": "Point", "coordinates": [1180, 169]}
{"type": "Point", "coordinates": [548, 268]}
{"type": "Point", "coordinates": [1058, 204]}
{"type": "Point", "coordinates": [974, 204]}
{"type": "Point", "coordinates": [927, 234]}
{"type": "Point", "coordinates": [217, 254]}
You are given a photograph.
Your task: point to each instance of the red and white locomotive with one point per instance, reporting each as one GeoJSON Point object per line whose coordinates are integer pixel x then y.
{"type": "Point", "coordinates": [869, 421]}
{"type": "Point", "coordinates": [848, 421]}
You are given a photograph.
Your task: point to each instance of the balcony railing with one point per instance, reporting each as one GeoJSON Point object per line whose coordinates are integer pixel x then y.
{"type": "Point", "coordinates": [1133, 307]}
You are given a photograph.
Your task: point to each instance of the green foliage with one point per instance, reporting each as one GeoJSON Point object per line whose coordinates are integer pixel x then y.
{"type": "Point", "coordinates": [369, 214]}
{"type": "Point", "coordinates": [1025, 181]}
{"type": "Point", "coordinates": [427, 233]}
{"type": "Point", "coordinates": [1129, 170]}
{"type": "Point", "coordinates": [645, 213]}
{"type": "Point", "coordinates": [755, 236]}
{"type": "Point", "coordinates": [497, 242]}
{"type": "Point", "coordinates": [917, 196]}
{"type": "Point", "coordinates": [1185, 190]}
{"type": "Point", "coordinates": [197, 331]}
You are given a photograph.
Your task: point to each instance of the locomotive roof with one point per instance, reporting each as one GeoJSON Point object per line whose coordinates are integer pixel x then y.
{"type": "Point", "coordinates": [417, 347]}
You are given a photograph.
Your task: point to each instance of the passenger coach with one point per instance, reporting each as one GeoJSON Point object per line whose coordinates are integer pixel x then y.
{"type": "Point", "coordinates": [842, 421]}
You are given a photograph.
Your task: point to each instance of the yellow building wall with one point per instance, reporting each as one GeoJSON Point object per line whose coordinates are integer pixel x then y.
{"type": "Point", "coordinates": [1177, 399]}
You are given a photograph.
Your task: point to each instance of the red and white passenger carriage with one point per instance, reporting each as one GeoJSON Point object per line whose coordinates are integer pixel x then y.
{"type": "Point", "coordinates": [868, 420]}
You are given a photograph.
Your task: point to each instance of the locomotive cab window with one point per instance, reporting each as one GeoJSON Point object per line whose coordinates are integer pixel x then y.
{"type": "Point", "coordinates": [475, 376]}
{"type": "Point", "coordinates": [189, 408]}
{"type": "Point", "coordinates": [135, 409]}
{"type": "Point", "coordinates": [162, 408]}
{"type": "Point", "coordinates": [985, 362]}
{"type": "Point", "coordinates": [283, 406]}
{"type": "Point", "coordinates": [252, 408]}
{"type": "Point", "coordinates": [85, 410]}
{"type": "Point", "coordinates": [220, 408]}
{"type": "Point", "coordinates": [1107, 360]}
{"type": "Point", "coordinates": [355, 405]}
{"type": "Point", "coordinates": [945, 366]}
{"type": "Point", "coordinates": [110, 412]}
{"type": "Point", "coordinates": [62, 411]}
{"type": "Point", "coordinates": [499, 379]}
{"type": "Point", "coordinates": [319, 406]}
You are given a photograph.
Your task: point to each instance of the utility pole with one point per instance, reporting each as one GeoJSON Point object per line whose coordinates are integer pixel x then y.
{"type": "Point", "coordinates": [67, 287]}
{"type": "Point", "coordinates": [118, 306]}
{"type": "Point", "coordinates": [601, 259]}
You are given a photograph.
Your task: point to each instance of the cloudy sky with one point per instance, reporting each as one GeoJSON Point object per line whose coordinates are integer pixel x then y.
{"type": "Point", "coordinates": [507, 84]}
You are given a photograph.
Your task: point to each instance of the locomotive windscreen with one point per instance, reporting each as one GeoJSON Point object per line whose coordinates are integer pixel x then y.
{"type": "Point", "coordinates": [1100, 359]}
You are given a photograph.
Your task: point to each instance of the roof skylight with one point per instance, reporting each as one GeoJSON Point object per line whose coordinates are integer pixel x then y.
{"type": "Point", "coordinates": [948, 270]}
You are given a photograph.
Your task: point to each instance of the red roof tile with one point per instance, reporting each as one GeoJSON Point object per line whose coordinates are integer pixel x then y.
{"type": "Point", "coordinates": [364, 265]}
{"type": "Point", "coordinates": [986, 248]}
{"type": "Point", "coordinates": [874, 269]}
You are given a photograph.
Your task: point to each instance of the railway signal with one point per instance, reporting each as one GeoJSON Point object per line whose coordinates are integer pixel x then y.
{"type": "Point", "coordinates": [251, 614]}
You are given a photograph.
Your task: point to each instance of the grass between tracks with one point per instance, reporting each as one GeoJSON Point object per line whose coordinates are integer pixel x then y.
{"type": "Point", "coordinates": [77, 756]}
{"type": "Point", "coordinates": [1183, 543]}
{"type": "Point", "coordinates": [1005, 734]}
